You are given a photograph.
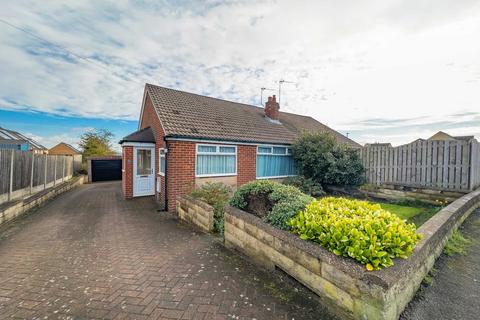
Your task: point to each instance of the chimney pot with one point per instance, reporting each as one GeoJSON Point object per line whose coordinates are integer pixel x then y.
{"type": "Point", "coordinates": [272, 109]}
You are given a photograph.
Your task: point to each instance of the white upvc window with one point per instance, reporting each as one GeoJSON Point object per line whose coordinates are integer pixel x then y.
{"type": "Point", "coordinates": [275, 162]}
{"type": "Point", "coordinates": [215, 160]}
{"type": "Point", "coordinates": [162, 161]}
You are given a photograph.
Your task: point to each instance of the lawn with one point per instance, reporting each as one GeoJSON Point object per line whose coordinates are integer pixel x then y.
{"type": "Point", "coordinates": [416, 214]}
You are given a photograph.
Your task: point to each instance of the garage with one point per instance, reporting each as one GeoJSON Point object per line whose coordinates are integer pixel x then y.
{"type": "Point", "coordinates": [104, 168]}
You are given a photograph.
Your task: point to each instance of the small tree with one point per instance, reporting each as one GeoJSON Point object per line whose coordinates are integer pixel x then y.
{"type": "Point", "coordinates": [96, 143]}
{"type": "Point", "coordinates": [319, 157]}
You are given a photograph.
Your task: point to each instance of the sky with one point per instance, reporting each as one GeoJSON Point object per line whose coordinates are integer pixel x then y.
{"type": "Point", "coordinates": [381, 71]}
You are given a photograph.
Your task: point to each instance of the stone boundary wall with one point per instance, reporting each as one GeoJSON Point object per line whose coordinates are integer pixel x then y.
{"type": "Point", "coordinates": [12, 210]}
{"type": "Point", "coordinates": [395, 192]}
{"type": "Point", "coordinates": [195, 212]}
{"type": "Point", "coordinates": [343, 284]}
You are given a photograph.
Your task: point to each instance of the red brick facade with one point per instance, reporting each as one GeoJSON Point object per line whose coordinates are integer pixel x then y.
{"type": "Point", "coordinates": [127, 172]}
{"type": "Point", "coordinates": [246, 164]}
{"type": "Point", "coordinates": [180, 170]}
{"type": "Point", "coordinates": [180, 159]}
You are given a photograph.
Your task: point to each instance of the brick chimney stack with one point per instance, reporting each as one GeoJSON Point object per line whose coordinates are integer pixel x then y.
{"type": "Point", "coordinates": [272, 108]}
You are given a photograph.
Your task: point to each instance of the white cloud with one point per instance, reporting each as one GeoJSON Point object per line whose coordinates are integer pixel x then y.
{"type": "Point", "coordinates": [52, 140]}
{"type": "Point", "coordinates": [71, 137]}
{"type": "Point", "coordinates": [352, 60]}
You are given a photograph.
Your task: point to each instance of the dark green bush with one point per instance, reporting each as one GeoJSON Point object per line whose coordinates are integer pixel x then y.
{"type": "Point", "coordinates": [346, 169]}
{"type": "Point", "coordinates": [306, 185]}
{"type": "Point", "coordinates": [217, 195]}
{"type": "Point", "coordinates": [319, 157]}
{"type": "Point", "coordinates": [274, 202]}
{"type": "Point", "coordinates": [246, 193]}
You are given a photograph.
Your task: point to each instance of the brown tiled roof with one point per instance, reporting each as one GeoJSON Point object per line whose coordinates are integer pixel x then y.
{"type": "Point", "coordinates": [75, 150]}
{"type": "Point", "coordinates": [189, 115]}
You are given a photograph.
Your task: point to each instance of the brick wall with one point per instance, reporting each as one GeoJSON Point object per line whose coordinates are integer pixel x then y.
{"type": "Point", "coordinates": [246, 162]}
{"type": "Point", "coordinates": [150, 119]}
{"type": "Point", "coordinates": [127, 172]}
{"type": "Point", "coordinates": [181, 170]}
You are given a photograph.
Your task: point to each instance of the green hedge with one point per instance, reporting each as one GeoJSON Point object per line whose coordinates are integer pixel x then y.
{"type": "Point", "coordinates": [285, 201]}
{"type": "Point", "coordinates": [356, 229]}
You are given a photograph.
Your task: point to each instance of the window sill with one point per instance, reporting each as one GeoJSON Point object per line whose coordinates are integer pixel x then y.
{"type": "Point", "coordinates": [275, 177]}
{"type": "Point", "coordinates": [215, 175]}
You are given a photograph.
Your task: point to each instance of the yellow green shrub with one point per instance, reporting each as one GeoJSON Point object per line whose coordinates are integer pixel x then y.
{"type": "Point", "coordinates": [356, 229]}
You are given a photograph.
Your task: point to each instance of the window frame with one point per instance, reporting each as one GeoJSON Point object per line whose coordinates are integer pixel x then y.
{"type": "Point", "coordinates": [136, 160]}
{"type": "Point", "coordinates": [218, 153]}
{"type": "Point", "coordinates": [288, 153]}
{"type": "Point", "coordinates": [162, 154]}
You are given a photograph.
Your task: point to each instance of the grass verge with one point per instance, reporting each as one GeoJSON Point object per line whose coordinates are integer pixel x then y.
{"type": "Point", "coordinates": [457, 244]}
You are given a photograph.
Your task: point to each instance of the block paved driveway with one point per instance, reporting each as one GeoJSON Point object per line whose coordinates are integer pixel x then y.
{"type": "Point", "coordinates": [90, 254]}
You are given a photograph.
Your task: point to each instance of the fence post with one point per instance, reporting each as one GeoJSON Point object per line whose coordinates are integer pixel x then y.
{"type": "Point", "coordinates": [45, 176]}
{"type": "Point", "coordinates": [63, 174]}
{"type": "Point", "coordinates": [10, 189]}
{"type": "Point", "coordinates": [472, 167]}
{"type": "Point", "coordinates": [31, 173]}
{"type": "Point", "coordinates": [55, 171]}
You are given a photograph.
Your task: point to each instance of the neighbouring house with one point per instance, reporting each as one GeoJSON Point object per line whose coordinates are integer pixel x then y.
{"type": "Point", "coordinates": [14, 140]}
{"type": "Point", "coordinates": [442, 136]}
{"type": "Point", "coordinates": [185, 139]}
{"type": "Point", "coordinates": [65, 149]}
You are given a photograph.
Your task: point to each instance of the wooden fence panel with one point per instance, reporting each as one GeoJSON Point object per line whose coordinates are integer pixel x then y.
{"type": "Point", "coordinates": [31, 172]}
{"type": "Point", "coordinates": [39, 170]}
{"type": "Point", "coordinates": [51, 167]}
{"type": "Point", "coordinates": [434, 168]}
{"type": "Point", "coordinates": [447, 165]}
{"type": "Point", "coordinates": [21, 168]}
{"type": "Point", "coordinates": [5, 156]}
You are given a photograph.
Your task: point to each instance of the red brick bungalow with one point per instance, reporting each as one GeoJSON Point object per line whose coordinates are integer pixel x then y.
{"type": "Point", "coordinates": [185, 140]}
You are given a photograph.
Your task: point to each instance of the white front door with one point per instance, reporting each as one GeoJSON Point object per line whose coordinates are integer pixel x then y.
{"type": "Point", "coordinates": [143, 168]}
